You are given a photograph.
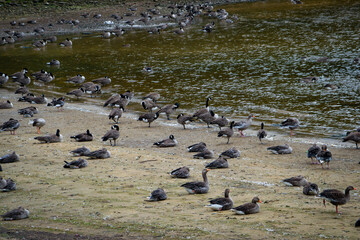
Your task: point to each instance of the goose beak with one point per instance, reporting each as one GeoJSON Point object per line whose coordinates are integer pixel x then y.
{"type": "Point", "coordinates": [260, 201]}
{"type": "Point", "coordinates": [355, 188]}
{"type": "Point", "coordinates": [207, 169]}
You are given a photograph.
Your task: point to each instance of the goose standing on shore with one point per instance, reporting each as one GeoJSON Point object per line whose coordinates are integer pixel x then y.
{"type": "Point", "coordinates": [183, 172]}
{"type": "Point", "coordinates": [291, 123]}
{"type": "Point", "coordinates": [353, 136]}
{"type": "Point", "coordinates": [83, 137]}
{"type": "Point", "coordinates": [207, 117]}
{"type": "Point", "coordinates": [50, 138]}
{"type": "Point", "coordinates": [248, 208]}
{"type": "Point", "coordinates": [229, 132]}
{"type": "Point", "coordinates": [149, 104]}
{"type": "Point", "coordinates": [336, 197]}
{"type": "Point", "coordinates": [312, 152]}
{"type": "Point", "coordinates": [169, 109]}
{"type": "Point", "coordinates": [10, 125]}
{"type": "Point", "coordinates": [16, 214]}
{"type": "Point", "coordinates": [116, 113]}
{"type": "Point", "coordinates": [243, 125]}
{"type": "Point", "coordinates": [112, 134]}
{"type": "Point", "coordinates": [198, 187]}
{"type": "Point", "coordinates": [157, 195]}
{"type": "Point", "coordinates": [203, 110]}
{"type": "Point", "coordinates": [223, 203]}
{"type": "Point", "coordinates": [38, 123]}
{"type": "Point", "coordinates": [169, 142]}
{"type": "Point", "coordinates": [113, 98]}
{"type": "Point", "coordinates": [280, 149]}
{"type": "Point", "coordinates": [184, 119]}
{"type": "Point", "coordinates": [261, 133]}
{"type": "Point", "coordinates": [324, 156]}
{"type": "Point", "coordinates": [220, 121]}
{"type": "Point", "coordinates": [153, 96]}
{"type": "Point", "coordinates": [148, 117]}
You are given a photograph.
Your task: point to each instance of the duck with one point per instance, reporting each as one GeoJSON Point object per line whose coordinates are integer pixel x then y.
{"type": "Point", "coordinates": [311, 189]}
{"type": "Point", "coordinates": [312, 152]}
{"type": "Point", "coordinates": [184, 119]}
{"type": "Point", "coordinates": [76, 79]}
{"type": "Point", "coordinates": [116, 113]}
{"type": "Point", "coordinates": [298, 181]}
{"type": "Point", "coordinates": [38, 123]}
{"type": "Point", "coordinates": [9, 158]}
{"type": "Point", "coordinates": [205, 154]}
{"type": "Point", "coordinates": [22, 90]}
{"type": "Point", "coordinates": [182, 172]}
{"type": "Point", "coordinates": [3, 78]}
{"type": "Point", "coordinates": [198, 187]}
{"type": "Point", "coordinates": [324, 156]}
{"type": "Point", "coordinates": [28, 111]}
{"type": "Point", "coordinates": [353, 136]}
{"type": "Point", "coordinates": [220, 121]}
{"type": "Point", "coordinates": [228, 132]}
{"type": "Point", "coordinates": [58, 103]}
{"type": "Point", "coordinates": [280, 149]}
{"type": "Point", "coordinates": [149, 104]}
{"type": "Point", "coordinates": [16, 214]}
{"type": "Point", "coordinates": [202, 111]}
{"type": "Point", "coordinates": [53, 62]}
{"type": "Point", "coordinates": [6, 105]}
{"type": "Point", "coordinates": [76, 164]}
{"type": "Point", "coordinates": [169, 109]}
{"type": "Point", "coordinates": [248, 208]}
{"type": "Point", "coordinates": [77, 92]}
{"type": "Point", "coordinates": [223, 203]}
{"type": "Point", "coordinates": [230, 153]}
{"type": "Point", "coordinates": [261, 133]}
{"type": "Point", "coordinates": [9, 186]}
{"type": "Point", "coordinates": [291, 123]}
{"type": "Point", "coordinates": [169, 142]}
{"type": "Point", "coordinates": [243, 125]}
{"type": "Point", "coordinates": [148, 117]}
{"type": "Point", "coordinates": [82, 151]}
{"type": "Point", "coordinates": [221, 162]}
{"type": "Point", "coordinates": [57, 137]}
{"type": "Point", "coordinates": [102, 81]}
{"type": "Point", "coordinates": [112, 134]}
{"type": "Point", "coordinates": [197, 147]}
{"type": "Point", "coordinates": [157, 195]}
{"type": "Point", "coordinates": [99, 154]}
{"type": "Point", "coordinates": [83, 137]}
{"type": "Point", "coordinates": [10, 125]}
{"type": "Point", "coordinates": [153, 96]}
{"type": "Point", "coordinates": [66, 43]}
{"type": "Point", "coordinates": [336, 197]}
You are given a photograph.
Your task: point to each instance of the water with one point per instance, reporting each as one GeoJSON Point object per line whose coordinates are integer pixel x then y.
{"type": "Point", "coordinates": [250, 66]}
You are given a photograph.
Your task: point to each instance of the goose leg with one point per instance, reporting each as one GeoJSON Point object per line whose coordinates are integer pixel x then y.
{"type": "Point", "coordinates": [228, 140]}
{"type": "Point", "coordinates": [38, 130]}
{"type": "Point", "coordinates": [324, 203]}
{"type": "Point", "coordinates": [291, 133]}
{"type": "Point", "coordinates": [184, 126]}
{"type": "Point", "coordinates": [114, 142]}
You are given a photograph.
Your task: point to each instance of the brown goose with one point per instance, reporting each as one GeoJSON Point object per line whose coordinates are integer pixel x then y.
{"type": "Point", "coordinates": [324, 156]}
{"type": "Point", "coordinates": [50, 138]}
{"type": "Point", "coordinates": [66, 43]}
{"type": "Point", "coordinates": [220, 121]}
{"type": "Point", "coordinates": [311, 189]}
{"type": "Point", "coordinates": [19, 74]}
{"type": "Point", "coordinates": [10, 125]}
{"type": "Point", "coordinates": [149, 104]}
{"type": "Point", "coordinates": [6, 105]}
{"type": "Point", "coordinates": [99, 154]}
{"type": "Point", "coordinates": [76, 79]}
{"type": "Point", "coordinates": [261, 133]}
{"type": "Point", "coordinates": [248, 208]}
{"type": "Point", "coordinates": [38, 123]}
{"type": "Point", "coordinates": [197, 147]}
{"type": "Point", "coordinates": [83, 151]}
{"type": "Point", "coordinates": [28, 111]}
{"type": "Point", "coordinates": [169, 109]}
{"type": "Point", "coordinates": [203, 110]}
{"type": "Point", "coordinates": [169, 142]}
{"type": "Point", "coordinates": [113, 98]}
{"type": "Point", "coordinates": [198, 187]}
{"type": "Point", "coordinates": [291, 123]}
{"type": "Point", "coordinates": [83, 137]}
{"type": "Point", "coordinates": [221, 204]}
{"type": "Point", "coordinates": [297, 181]}
{"type": "Point", "coordinates": [280, 149]}
{"type": "Point", "coordinates": [206, 154]}
{"type": "Point", "coordinates": [353, 136]}
{"type": "Point", "coordinates": [102, 81]}
{"type": "Point", "coordinates": [148, 117]}
{"type": "Point", "coordinates": [153, 96]}
{"type": "Point", "coordinates": [77, 92]}
{"type": "Point", "coordinates": [22, 90]}
{"type": "Point", "coordinates": [38, 100]}
{"type": "Point", "coordinates": [336, 197]}
{"type": "Point", "coordinates": [230, 153]}
{"type": "Point", "coordinates": [9, 158]}
{"type": "Point", "coordinates": [184, 119]}
{"type": "Point", "coordinates": [229, 132]}
{"type": "Point", "coordinates": [312, 152]}
{"type": "Point", "coordinates": [76, 164]}
{"type": "Point", "coordinates": [39, 74]}
{"type": "Point", "coordinates": [16, 214]}
{"type": "Point", "coordinates": [116, 113]}
{"type": "Point", "coordinates": [123, 101]}
{"type": "Point", "coordinates": [207, 117]}
{"type": "Point", "coordinates": [183, 172]}
{"type": "Point", "coordinates": [157, 195]}
{"type": "Point", "coordinates": [243, 125]}
{"type": "Point", "coordinates": [218, 163]}
{"type": "Point", "coordinates": [9, 185]}
{"type": "Point", "coordinates": [112, 134]}
{"type": "Point", "coordinates": [129, 94]}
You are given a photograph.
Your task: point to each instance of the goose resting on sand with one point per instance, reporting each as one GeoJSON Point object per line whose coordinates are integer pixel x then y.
{"type": "Point", "coordinates": [16, 214]}
{"type": "Point", "coordinates": [221, 204]}
{"type": "Point", "coordinates": [157, 195]}
{"type": "Point", "coordinates": [198, 187]}
{"type": "Point", "coordinates": [248, 208]}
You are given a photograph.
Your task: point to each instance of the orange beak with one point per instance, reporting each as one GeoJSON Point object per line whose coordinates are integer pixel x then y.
{"type": "Point", "coordinates": [260, 201]}
{"type": "Point", "coordinates": [207, 169]}
{"type": "Point", "coordinates": [355, 188]}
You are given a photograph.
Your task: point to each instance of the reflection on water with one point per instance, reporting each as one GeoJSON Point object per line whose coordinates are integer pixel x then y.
{"type": "Point", "coordinates": [250, 66]}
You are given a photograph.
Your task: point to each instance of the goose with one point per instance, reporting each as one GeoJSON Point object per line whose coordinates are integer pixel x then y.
{"type": "Point", "coordinates": [77, 92]}
{"type": "Point", "coordinates": [76, 164]}
{"type": "Point", "coordinates": [112, 134]}
{"type": "Point", "coordinates": [106, 34]}
{"type": "Point", "coordinates": [206, 154]}
{"type": "Point", "coordinates": [28, 111]}
{"type": "Point", "coordinates": [183, 172]}
{"type": "Point", "coordinates": [208, 27]}
{"type": "Point", "coordinates": [50, 138]}
{"type": "Point", "coordinates": [16, 214]}
{"type": "Point", "coordinates": [248, 208]}
{"type": "Point", "coordinates": [353, 136]}
{"type": "Point", "coordinates": [331, 86]}
{"type": "Point", "coordinates": [99, 154]}
{"type": "Point", "coordinates": [297, 181]}
{"type": "Point", "coordinates": [10, 125]}
{"type": "Point", "coordinates": [22, 80]}
{"type": "Point", "coordinates": [46, 78]}
{"type": "Point", "coordinates": [149, 104]}
{"type": "Point", "coordinates": [148, 117]}
{"type": "Point", "coordinates": [58, 103]}
{"type": "Point", "coordinates": [38, 123]}
{"type": "Point", "coordinates": [197, 147]}
{"type": "Point", "coordinates": [243, 125]}
{"type": "Point", "coordinates": [38, 100]}
{"type": "Point", "coordinates": [10, 40]}
{"type": "Point", "coordinates": [312, 152]}
{"type": "Point", "coordinates": [129, 94]}
{"type": "Point", "coordinates": [230, 153]}
{"type": "Point", "coordinates": [9, 186]}
{"type": "Point", "coordinates": [83, 137]}
{"type": "Point", "coordinates": [291, 123]}
{"type": "Point", "coordinates": [53, 62]}
{"type": "Point", "coordinates": [229, 132]}
{"type": "Point", "coordinates": [3, 78]}
{"type": "Point", "coordinates": [76, 79]}
{"type": "Point", "coordinates": [2, 182]}
{"type": "Point", "coordinates": [169, 109]}
{"type": "Point", "coordinates": [19, 74]}
{"type": "Point", "coordinates": [157, 195]}
{"type": "Point", "coordinates": [9, 158]}
{"type": "Point", "coordinates": [83, 151]}
{"type": "Point", "coordinates": [261, 133]}
{"type": "Point", "coordinates": [92, 88]}
{"type": "Point", "coordinates": [51, 39]}
{"type": "Point", "coordinates": [223, 203]}
{"type": "Point", "coordinates": [179, 31]}
{"type": "Point", "coordinates": [153, 96]}
{"type": "Point", "coordinates": [310, 79]}
{"type": "Point", "coordinates": [66, 43]}
{"type": "Point", "coordinates": [123, 101]}
{"type": "Point", "coordinates": [40, 43]}
{"type": "Point", "coordinates": [280, 149]}
{"type": "Point", "coordinates": [184, 119]}
{"type": "Point", "coordinates": [336, 197]}
{"type": "Point", "coordinates": [38, 74]}
{"type": "Point", "coordinates": [113, 98]}
{"type": "Point", "coordinates": [102, 81]}
{"type": "Point", "coordinates": [169, 142]}
{"type": "Point", "coordinates": [324, 156]}
{"type": "Point", "coordinates": [198, 187]}
{"type": "Point", "coordinates": [6, 105]}
{"type": "Point", "coordinates": [39, 30]}
{"type": "Point", "coordinates": [203, 110]}
{"type": "Point", "coordinates": [115, 114]}
{"type": "Point", "coordinates": [221, 162]}
{"type": "Point", "coordinates": [207, 117]}
{"type": "Point", "coordinates": [311, 189]}
{"type": "Point", "coordinates": [220, 121]}
{"type": "Point", "coordinates": [22, 90]}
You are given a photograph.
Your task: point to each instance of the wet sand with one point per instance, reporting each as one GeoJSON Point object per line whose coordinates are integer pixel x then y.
{"type": "Point", "coordinates": [107, 197]}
